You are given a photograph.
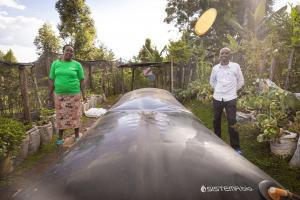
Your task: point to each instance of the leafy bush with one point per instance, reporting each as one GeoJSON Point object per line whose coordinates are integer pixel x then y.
{"type": "Point", "coordinates": [196, 89]}
{"type": "Point", "coordinates": [47, 112]}
{"type": "Point", "coordinates": [41, 122]}
{"type": "Point", "coordinates": [268, 126]}
{"type": "Point", "coordinates": [295, 125]}
{"type": "Point", "coordinates": [271, 112]}
{"type": "Point", "coordinates": [183, 95]}
{"type": "Point", "coordinates": [247, 128]}
{"type": "Point", "coordinates": [12, 133]}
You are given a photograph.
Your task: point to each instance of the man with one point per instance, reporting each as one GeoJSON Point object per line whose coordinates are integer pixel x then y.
{"type": "Point", "coordinates": [226, 79]}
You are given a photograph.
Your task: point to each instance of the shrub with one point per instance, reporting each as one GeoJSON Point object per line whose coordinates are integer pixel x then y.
{"type": "Point", "coordinates": [47, 112]}
{"type": "Point", "coordinates": [196, 89]}
{"type": "Point", "coordinates": [12, 133]}
{"type": "Point", "coordinates": [294, 126]}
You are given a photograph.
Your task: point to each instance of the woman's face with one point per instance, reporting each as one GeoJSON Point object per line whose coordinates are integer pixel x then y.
{"type": "Point", "coordinates": [68, 53]}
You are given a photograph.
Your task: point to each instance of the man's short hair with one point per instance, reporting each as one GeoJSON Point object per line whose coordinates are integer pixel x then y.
{"type": "Point", "coordinates": [224, 49]}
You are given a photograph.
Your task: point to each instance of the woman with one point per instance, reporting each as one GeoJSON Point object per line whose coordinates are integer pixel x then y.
{"type": "Point", "coordinates": [67, 81]}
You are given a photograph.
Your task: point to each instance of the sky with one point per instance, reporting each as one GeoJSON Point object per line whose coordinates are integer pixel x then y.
{"type": "Point", "coordinates": [122, 25]}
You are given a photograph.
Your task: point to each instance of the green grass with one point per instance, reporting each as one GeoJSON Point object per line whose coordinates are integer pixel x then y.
{"type": "Point", "coordinates": [257, 153]}
{"type": "Point", "coordinates": [33, 159]}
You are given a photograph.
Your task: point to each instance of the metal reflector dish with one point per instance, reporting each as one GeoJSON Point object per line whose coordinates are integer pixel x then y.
{"type": "Point", "coordinates": [205, 21]}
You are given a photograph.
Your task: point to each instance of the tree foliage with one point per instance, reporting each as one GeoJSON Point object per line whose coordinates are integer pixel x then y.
{"type": "Point", "coordinates": [77, 27]}
{"type": "Point", "coordinates": [184, 15]}
{"type": "Point", "coordinates": [10, 57]}
{"type": "Point", "coordinates": [46, 40]}
{"type": "Point", "coordinates": [9, 84]}
{"type": "Point", "coordinates": [179, 50]}
{"type": "Point", "coordinates": [149, 53]}
{"type": "Point", "coordinates": [103, 53]}
{"type": "Point", "coordinates": [1, 55]}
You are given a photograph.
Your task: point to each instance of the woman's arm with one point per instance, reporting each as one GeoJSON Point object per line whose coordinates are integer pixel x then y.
{"type": "Point", "coordinates": [82, 87]}
{"type": "Point", "coordinates": [51, 88]}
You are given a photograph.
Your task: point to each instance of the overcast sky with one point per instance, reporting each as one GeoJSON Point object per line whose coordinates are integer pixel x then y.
{"type": "Point", "coordinates": [122, 25]}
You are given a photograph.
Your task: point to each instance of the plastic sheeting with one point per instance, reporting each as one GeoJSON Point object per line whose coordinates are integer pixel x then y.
{"type": "Point", "coordinates": [148, 146]}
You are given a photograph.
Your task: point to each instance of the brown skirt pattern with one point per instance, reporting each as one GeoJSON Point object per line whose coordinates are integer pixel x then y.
{"type": "Point", "coordinates": [68, 111]}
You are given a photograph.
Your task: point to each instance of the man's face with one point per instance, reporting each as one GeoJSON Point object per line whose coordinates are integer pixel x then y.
{"type": "Point", "coordinates": [224, 55]}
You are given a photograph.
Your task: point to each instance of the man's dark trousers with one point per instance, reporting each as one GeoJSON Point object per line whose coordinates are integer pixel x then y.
{"type": "Point", "coordinates": [230, 108]}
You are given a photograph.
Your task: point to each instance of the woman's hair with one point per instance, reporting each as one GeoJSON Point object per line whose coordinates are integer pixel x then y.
{"type": "Point", "coordinates": [67, 45]}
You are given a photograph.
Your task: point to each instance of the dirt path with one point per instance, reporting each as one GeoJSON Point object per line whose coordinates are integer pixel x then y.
{"type": "Point", "coordinates": [24, 176]}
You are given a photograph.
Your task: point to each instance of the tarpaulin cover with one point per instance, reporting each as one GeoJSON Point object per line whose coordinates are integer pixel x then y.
{"type": "Point", "coordinates": [149, 147]}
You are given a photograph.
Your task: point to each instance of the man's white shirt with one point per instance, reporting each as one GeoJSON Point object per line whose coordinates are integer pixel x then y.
{"type": "Point", "coordinates": [226, 81]}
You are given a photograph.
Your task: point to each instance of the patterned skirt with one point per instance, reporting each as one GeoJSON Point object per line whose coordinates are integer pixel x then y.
{"type": "Point", "coordinates": [68, 111]}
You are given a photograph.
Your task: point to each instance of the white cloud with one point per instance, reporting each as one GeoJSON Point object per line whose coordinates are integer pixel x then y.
{"type": "Point", "coordinates": [18, 33]}
{"type": "Point", "coordinates": [18, 30]}
{"type": "Point", "coordinates": [23, 54]}
{"type": "Point", "coordinates": [3, 13]}
{"type": "Point", "coordinates": [11, 4]}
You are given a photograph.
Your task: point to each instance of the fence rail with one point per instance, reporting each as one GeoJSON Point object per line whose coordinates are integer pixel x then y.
{"type": "Point", "coordinates": [24, 86]}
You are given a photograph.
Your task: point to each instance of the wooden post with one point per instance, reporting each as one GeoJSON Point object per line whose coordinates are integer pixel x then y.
{"type": "Point", "coordinates": [182, 76]}
{"type": "Point", "coordinates": [122, 83]}
{"type": "Point", "coordinates": [132, 79]}
{"type": "Point", "coordinates": [273, 67]}
{"type": "Point", "coordinates": [104, 76]}
{"type": "Point", "coordinates": [191, 73]}
{"type": "Point", "coordinates": [38, 99]}
{"type": "Point", "coordinates": [113, 79]}
{"type": "Point", "coordinates": [172, 86]}
{"type": "Point", "coordinates": [287, 80]}
{"type": "Point", "coordinates": [24, 93]}
{"type": "Point", "coordinates": [90, 77]}
{"type": "Point", "coordinates": [156, 79]}
{"type": "Point", "coordinates": [48, 59]}
{"type": "Point", "coordinates": [100, 77]}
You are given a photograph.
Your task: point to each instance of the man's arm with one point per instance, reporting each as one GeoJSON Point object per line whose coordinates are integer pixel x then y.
{"type": "Point", "coordinates": [240, 78]}
{"type": "Point", "coordinates": [213, 79]}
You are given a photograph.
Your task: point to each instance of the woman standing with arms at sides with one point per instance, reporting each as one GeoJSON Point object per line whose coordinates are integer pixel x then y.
{"type": "Point", "coordinates": [67, 82]}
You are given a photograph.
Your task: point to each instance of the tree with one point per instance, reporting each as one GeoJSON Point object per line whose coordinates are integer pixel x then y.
{"type": "Point", "coordinates": [77, 27]}
{"type": "Point", "coordinates": [149, 53]}
{"type": "Point", "coordinates": [9, 57]}
{"type": "Point", "coordinates": [46, 40]}
{"type": "Point", "coordinates": [184, 15]}
{"type": "Point", "coordinates": [179, 51]}
{"type": "Point", "coordinates": [1, 55]}
{"type": "Point", "coordinates": [294, 38]}
{"type": "Point", "coordinates": [102, 53]}
{"type": "Point", "coordinates": [109, 55]}
{"type": "Point", "coordinates": [9, 84]}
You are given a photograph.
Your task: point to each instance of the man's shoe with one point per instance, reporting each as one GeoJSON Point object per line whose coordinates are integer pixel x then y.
{"type": "Point", "coordinates": [239, 151]}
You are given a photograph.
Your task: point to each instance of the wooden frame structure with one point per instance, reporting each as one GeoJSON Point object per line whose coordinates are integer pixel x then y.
{"type": "Point", "coordinates": [134, 66]}
{"type": "Point", "coordinates": [23, 77]}
{"type": "Point", "coordinates": [23, 85]}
